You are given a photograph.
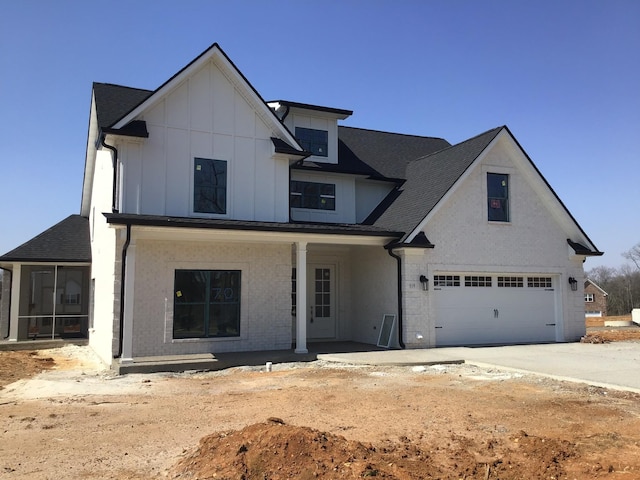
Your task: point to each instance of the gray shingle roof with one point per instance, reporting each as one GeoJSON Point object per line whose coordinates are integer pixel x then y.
{"type": "Point", "coordinates": [386, 153]}
{"type": "Point", "coordinates": [428, 180]}
{"type": "Point", "coordinates": [115, 101]}
{"type": "Point", "coordinates": [66, 241]}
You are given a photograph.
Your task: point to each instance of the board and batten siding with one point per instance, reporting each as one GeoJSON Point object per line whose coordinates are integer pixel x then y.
{"type": "Point", "coordinates": [204, 116]}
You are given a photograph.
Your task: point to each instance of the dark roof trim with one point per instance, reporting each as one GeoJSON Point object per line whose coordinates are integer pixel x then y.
{"type": "Point", "coordinates": [582, 250]}
{"type": "Point", "coordinates": [241, 225]}
{"type": "Point", "coordinates": [336, 168]}
{"type": "Point", "coordinates": [44, 260]}
{"type": "Point", "coordinates": [136, 128]}
{"type": "Point", "coordinates": [317, 108]}
{"type": "Point", "coordinates": [419, 241]}
{"type": "Point", "coordinates": [283, 147]}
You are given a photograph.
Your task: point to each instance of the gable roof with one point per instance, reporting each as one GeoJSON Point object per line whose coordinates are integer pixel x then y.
{"type": "Point", "coordinates": [589, 281]}
{"type": "Point", "coordinates": [428, 179]}
{"type": "Point", "coordinates": [66, 241]}
{"type": "Point", "coordinates": [215, 53]}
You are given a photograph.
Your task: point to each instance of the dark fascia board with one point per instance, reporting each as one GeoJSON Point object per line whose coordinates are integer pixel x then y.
{"type": "Point", "coordinates": [283, 147]}
{"type": "Point", "coordinates": [335, 168]}
{"type": "Point", "coordinates": [241, 225]}
{"type": "Point", "coordinates": [419, 241]}
{"type": "Point", "coordinates": [318, 108]}
{"type": "Point", "coordinates": [582, 250]}
{"type": "Point", "coordinates": [136, 128]}
{"type": "Point", "coordinates": [44, 260]}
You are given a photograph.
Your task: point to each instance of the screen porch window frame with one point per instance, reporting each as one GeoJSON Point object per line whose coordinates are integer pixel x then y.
{"type": "Point", "coordinates": [210, 186]}
{"type": "Point", "coordinates": [498, 208]}
{"type": "Point", "coordinates": [207, 304]}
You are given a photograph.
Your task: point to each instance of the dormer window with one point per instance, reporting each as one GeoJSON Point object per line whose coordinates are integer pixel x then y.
{"type": "Point", "coordinates": [314, 141]}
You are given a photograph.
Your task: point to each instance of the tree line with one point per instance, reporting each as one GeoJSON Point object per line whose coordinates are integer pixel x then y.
{"type": "Point", "coordinates": [622, 284]}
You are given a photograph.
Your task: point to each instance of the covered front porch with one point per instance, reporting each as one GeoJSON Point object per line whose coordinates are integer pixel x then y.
{"type": "Point", "coordinates": [211, 287]}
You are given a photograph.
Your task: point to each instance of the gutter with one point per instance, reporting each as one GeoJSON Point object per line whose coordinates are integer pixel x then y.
{"type": "Point", "coordinates": [115, 171]}
{"type": "Point", "coordinates": [122, 275]}
{"type": "Point", "coordinates": [399, 260]}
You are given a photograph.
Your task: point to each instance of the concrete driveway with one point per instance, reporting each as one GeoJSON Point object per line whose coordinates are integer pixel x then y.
{"type": "Point", "coordinates": [612, 365]}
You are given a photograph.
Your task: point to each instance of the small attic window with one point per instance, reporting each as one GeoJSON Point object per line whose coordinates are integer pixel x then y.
{"type": "Point", "coordinates": [314, 141]}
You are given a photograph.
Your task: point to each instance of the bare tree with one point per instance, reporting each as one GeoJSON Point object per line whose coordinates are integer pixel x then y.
{"type": "Point", "coordinates": [633, 254]}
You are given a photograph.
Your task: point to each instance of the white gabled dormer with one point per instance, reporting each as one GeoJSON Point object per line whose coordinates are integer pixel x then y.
{"type": "Point", "coordinates": [315, 127]}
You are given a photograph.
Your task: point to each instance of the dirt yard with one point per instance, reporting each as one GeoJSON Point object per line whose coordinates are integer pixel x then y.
{"type": "Point", "coordinates": [307, 421]}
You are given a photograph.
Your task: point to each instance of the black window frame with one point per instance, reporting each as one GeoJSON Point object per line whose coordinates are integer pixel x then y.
{"type": "Point", "coordinates": [312, 195]}
{"type": "Point", "coordinates": [210, 179]}
{"type": "Point", "coordinates": [498, 209]}
{"type": "Point", "coordinates": [212, 304]}
{"type": "Point", "coordinates": [313, 140]}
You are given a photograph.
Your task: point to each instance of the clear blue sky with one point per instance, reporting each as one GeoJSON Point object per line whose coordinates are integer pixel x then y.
{"type": "Point", "coordinates": [564, 76]}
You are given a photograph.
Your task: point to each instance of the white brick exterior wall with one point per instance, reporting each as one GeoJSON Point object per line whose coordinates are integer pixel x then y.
{"type": "Point", "coordinates": [265, 295]}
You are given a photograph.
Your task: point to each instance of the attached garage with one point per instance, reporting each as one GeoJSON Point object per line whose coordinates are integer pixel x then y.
{"type": "Point", "coordinates": [483, 309]}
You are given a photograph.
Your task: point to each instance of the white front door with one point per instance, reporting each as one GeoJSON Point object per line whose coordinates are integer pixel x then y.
{"type": "Point", "coordinates": [321, 301]}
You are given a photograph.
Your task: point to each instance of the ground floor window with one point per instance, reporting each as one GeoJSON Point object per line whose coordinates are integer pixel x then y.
{"type": "Point", "coordinates": [206, 303]}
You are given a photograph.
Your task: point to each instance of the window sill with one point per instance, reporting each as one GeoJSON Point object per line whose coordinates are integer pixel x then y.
{"type": "Point", "coordinates": [207, 340]}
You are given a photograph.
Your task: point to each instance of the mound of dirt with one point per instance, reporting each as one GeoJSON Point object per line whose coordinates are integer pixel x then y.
{"type": "Point", "coordinates": [626, 334]}
{"type": "Point", "coordinates": [22, 364]}
{"type": "Point", "coordinates": [273, 450]}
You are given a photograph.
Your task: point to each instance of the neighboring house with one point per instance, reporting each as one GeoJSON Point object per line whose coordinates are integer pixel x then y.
{"type": "Point", "coordinates": [220, 222]}
{"type": "Point", "coordinates": [595, 300]}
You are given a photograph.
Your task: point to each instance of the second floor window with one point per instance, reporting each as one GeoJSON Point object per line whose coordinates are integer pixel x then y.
{"type": "Point", "coordinates": [318, 196]}
{"type": "Point", "coordinates": [209, 186]}
{"type": "Point", "coordinates": [314, 141]}
{"type": "Point", "coordinates": [498, 197]}
{"type": "Point", "coordinates": [589, 297]}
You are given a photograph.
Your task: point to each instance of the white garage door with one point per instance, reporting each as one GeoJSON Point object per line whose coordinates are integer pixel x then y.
{"type": "Point", "coordinates": [494, 309]}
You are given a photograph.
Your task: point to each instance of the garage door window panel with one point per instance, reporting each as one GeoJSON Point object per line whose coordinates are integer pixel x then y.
{"type": "Point", "coordinates": [511, 282]}
{"type": "Point", "coordinates": [477, 281]}
{"type": "Point", "coordinates": [539, 282]}
{"type": "Point", "coordinates": [446, 280]}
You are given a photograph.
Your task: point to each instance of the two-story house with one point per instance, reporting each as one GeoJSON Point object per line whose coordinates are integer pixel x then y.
{"type": "Point", "coordinates": [220, 222]}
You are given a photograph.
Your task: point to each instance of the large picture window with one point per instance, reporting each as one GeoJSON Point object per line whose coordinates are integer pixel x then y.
{"type": "Point", "coordinates": [209, 186]}
{"type": "Point", "coordinates": [206, 303]}
{"type": "Point", "coordinates": [498, 197]}
{"type": "Point", "coordinates": [314, 141]}
{"type": "Point", "coordinates": [319, 196]}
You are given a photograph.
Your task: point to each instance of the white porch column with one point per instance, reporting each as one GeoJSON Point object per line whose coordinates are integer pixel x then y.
{"type": "Point", "coordinates": [127, 304]}
{"type": "Point", "coordinates": [15, 302]}
{"type": "Point", "coordinates": [301, 297]}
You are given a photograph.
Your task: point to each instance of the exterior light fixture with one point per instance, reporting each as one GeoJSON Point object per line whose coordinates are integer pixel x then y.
{"type": "Point", "coordinates": [574, 283]}
{"type": "Point", "coordinates": [425, 282]}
